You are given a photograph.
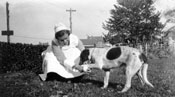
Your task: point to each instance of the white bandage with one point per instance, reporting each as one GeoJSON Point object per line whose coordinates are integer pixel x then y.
{"type": "Point", "coordinates": [86, 68]}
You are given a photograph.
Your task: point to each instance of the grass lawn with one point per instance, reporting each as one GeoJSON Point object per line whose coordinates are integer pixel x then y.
{"type": "Point", "coordinates": [161, 73]}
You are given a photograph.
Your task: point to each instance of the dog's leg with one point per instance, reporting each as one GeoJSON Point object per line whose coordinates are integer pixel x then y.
{"type": "Point", "coordinates": [131, 69]}
{"type": "Point", "coordinates": [106, 79]}
{"type": "Point", "coordinates": [139, 74]}
{"type": "Point", "coordinates": [145, 79]}
{"type": "Point", "coordinates": [129, 76]}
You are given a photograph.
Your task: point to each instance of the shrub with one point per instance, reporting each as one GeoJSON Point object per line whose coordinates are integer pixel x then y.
{"type": "Point", "coordinates": [17, 57]}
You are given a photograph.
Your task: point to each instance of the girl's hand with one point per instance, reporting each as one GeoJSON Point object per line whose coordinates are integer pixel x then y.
{"type": "Point", "coordinates": [78, 67]}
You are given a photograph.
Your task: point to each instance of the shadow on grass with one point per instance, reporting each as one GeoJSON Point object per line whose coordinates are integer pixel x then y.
{"type": "Point", "coordinates": [100, 83]}
{"type": "Point", "coordinates": [82, 79]}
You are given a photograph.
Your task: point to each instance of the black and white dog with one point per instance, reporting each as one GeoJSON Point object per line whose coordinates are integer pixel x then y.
{"type": "Point", "coordinates": [112, 57]}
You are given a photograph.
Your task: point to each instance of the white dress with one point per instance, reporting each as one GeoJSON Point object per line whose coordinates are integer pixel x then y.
{"type": "Point", "coordinates": [51, 64]}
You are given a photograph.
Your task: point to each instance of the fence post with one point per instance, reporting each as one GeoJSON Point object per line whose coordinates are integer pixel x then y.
{"type": "Point", "coordinates": [146, 49]}
{"type": "Point", "coordinates": [140, 48]}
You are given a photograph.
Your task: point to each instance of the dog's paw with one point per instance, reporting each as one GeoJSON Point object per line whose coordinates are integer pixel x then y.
{"type": "Point", "coordinates": [122, 91]}
{"type": "Point", "coordinates": [119, 92]}
{"type": "Point", "coordinates": [86, 68]}
{"type": "Point", "coordinates": [104, 87]}
{"type": "Point", "coordinates": [125, 89]}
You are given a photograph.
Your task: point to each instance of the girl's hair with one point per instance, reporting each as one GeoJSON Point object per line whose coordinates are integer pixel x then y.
{"type": "Point", "coordinates": [61, 33]}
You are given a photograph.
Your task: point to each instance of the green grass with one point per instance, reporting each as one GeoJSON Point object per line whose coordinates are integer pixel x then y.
{"type": "Point", "coordinates": [161, 73]}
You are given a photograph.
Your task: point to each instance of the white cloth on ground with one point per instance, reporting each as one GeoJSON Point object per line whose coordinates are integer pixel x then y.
{"type": "Point", "coordinates": [51, 64]}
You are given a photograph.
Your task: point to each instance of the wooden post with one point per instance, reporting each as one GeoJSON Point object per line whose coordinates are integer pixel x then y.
{"type": "Point", "coordinates": [146, 49]}
{"type": "Point", "coordinates": [8, 32]}
{"type": "Point", "coordinates": [70, 19]}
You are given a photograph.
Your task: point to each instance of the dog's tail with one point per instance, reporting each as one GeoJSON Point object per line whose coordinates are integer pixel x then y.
{"type": "Point", "coordinates": [143, 71]}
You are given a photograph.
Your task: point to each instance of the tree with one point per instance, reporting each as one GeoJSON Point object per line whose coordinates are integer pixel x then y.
{"type": "Point", "coordinates": [134, 21]}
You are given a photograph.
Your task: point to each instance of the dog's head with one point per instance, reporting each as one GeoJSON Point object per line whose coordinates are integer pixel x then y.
{"type": "Point", "coordinates": [85, 60]}
{"type": "Point", "coordinates": [84, 57]}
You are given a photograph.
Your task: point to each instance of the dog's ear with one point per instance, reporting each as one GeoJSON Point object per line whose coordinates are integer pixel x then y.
{"type": "Point", "coordinates": [84, 56]}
